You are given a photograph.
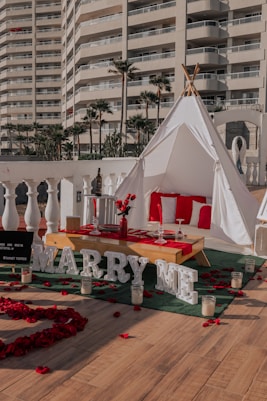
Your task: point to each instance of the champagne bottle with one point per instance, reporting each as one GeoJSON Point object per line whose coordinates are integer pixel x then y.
{"type": "Point", "coordinates": [98, 187]}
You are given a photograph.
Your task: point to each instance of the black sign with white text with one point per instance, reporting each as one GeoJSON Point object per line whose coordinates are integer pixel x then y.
{"type": "Point", "coordinates": [15, 247]}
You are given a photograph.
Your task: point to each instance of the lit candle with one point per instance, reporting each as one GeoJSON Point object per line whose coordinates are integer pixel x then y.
{"type": "Point", "coordinates": [86, 285]}
{"type": "Point", "coordinates": [137, 294]}
{"type": "Point", "coordinates": [208, 305]}
{"type": "Point", "coordinates": [236, 281]}
{"type": "Point", "coordinates": [26, 275]}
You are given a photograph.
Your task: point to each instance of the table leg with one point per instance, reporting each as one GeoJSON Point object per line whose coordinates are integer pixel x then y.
{"type": "Point", "coordinates": [202, 259]}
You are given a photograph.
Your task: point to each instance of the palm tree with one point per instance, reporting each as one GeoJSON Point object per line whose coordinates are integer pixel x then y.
{"type": "Point", "coordinates": [138, 123]}
{"type": "Point", "coordinates": [149, 129]}
{"type": "Point", "coordinates": [101, 106]}
{"type": "Point", "coordinates": [111, 145]}
{"type": "Point", "coordinates": [67, 148]}
{"type": "Point", "coordinates": [89, 119]}
{"type": "Point", "coordinates": [76, 130]}
{"type": "Point", "coordinates": [127, 71]}
{"type": "Point", "coordinates": [162, 83]}
{"type": "Point", "coordinates": [148, 98]}
{"type": "Point", "coordinates": [10, 133]}
{"type": "Point", "coordinates": [20, 138]}
{"type": "Point", "coordinates": [57, 137]}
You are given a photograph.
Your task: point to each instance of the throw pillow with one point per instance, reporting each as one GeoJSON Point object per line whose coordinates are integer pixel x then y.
{"type": "Point", "coordinates": [205, 217]}
{"type": "Point", "coordinates": [155, 199]}
{"type": "Point", "coordinates": [185, 205]}
{"type": "Point", "coordinates": [196, 206]}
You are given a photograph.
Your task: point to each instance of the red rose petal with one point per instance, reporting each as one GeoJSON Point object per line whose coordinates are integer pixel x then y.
{"type": "Point", "coordinates": [116, 314]}
{"type": "Point", "coordinates": [64, 292]}
{"type": "Point", "coordinates": [147, 294]}
{"type": "Point", "coordinates": [205, 324]}
{"type": "Point", "coordinates": [137, 308]}
{"type": "Point", "coordinates": [124, 335]}
{"type": "Point", "coordinates": [42, 370]}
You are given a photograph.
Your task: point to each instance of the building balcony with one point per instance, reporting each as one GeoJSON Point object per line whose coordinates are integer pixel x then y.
{"type": "Point", "coordinates": [98, 48]}
{"type": "Point", "coordinates": [242, 54]}
{"type": "Point", "coordinates": [144, 15]}
{"type": "Point", "coordinates": [208, 31]}
{"type": "Point", "coordinates": [100, 25]}
{"type": "Point", "coordinates": [87, 8]}
{"type": "Point", "coordinates": [241, 26]}
{"type": "Point", "coordinates": [207, 7]}
{"type": "Point", "coordinates": [204, 56]}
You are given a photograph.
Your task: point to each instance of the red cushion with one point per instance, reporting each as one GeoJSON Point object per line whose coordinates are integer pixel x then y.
{"type": "Point", "coordinates": [154, 202]}
{"type": "Point", "coordinates": [204, 217]}
{"type": "Point", "coordinates": [184, 207]}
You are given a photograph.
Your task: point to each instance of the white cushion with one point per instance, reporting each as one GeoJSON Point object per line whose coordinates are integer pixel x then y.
{"type": "Point", "coordinates": [168, 206]}
{"type": "Point", "coordinates": [195, 213]}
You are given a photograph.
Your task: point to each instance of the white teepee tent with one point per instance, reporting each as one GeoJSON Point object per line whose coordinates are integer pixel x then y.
{"type": "Point", "coordinates": [186, 155]}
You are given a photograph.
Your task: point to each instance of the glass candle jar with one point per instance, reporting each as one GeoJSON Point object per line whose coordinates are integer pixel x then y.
{"type": "Point", "coordinates": [26, 275]}
{"type": "Point", "coordinates": [208, 305]}
{"type": "Point", "coordinates": [236, 281]}
{"type": "Point", "coordinates": [137, 292]}
{"type": "Point", "coordinates": [86, 285]}
{"type": "Point", "coordinates": [249, 265]}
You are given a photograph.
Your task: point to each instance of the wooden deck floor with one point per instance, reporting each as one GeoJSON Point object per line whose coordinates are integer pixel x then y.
{"type": "Point", "coordinates": [167, 357]}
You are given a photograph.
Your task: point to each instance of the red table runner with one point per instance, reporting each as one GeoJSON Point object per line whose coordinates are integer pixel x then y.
{"type": "Point", "coordinates": [134, 236]}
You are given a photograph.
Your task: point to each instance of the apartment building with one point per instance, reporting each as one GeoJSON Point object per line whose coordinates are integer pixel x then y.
{"type": "Point", "coordinates": [30, 65]}
{"type": "Point", "coordinates": [226, 37]}
{"type": "Point", "coordinates": [46, 81]}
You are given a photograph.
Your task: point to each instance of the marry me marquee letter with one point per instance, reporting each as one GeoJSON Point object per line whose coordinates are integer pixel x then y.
{"type": "Point", "coordinates": [177, 280]}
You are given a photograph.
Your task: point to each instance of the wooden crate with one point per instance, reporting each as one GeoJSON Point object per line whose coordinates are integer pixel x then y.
{"type": "Point", "coordinates": [73, 223]}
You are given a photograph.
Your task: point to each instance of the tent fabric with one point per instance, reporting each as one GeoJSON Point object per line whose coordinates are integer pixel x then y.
{"type": "Point", "coordinates": [187, 156]}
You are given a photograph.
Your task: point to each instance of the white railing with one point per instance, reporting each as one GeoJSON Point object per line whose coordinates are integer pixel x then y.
{"type": "Point", "coordinates": [155, 7]}
{"type": "Point", "coordinates": [74, 178]}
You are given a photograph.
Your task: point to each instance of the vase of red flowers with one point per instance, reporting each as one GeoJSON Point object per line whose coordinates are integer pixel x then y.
{"type": "Point", "coordinates": [124, 207]}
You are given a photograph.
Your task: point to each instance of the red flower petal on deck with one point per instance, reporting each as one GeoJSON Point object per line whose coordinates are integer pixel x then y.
{"type": "Point", "coordinates": [259, 278]}
{"type": "Point", "coordinates": [124, 335]}
{"type": "Point", "coordinates": [64, 292]}
{"type": "Point", "coordinates": [240, 293]}
{"type": "Point", "coordinates": [137, 308]}
{"type": "Point", "coordinates": [217, 321]}
{"type": "Point", "coordinates": [205, 275]}
{"type": "Point", "coordinates": [7, 289]}
{"type": "Point", "coordinates": [147, 294]}
{"type": "Point", "coordinates": [205, 324]}
{"type": "Point", "coordinates": [116, 314]}
{"type": "Point", "coordinates": [42, 370]}
{"type": "Point", "coordinates": [160, 292]}
{"type": "Point", "coordinates": [47, 284]}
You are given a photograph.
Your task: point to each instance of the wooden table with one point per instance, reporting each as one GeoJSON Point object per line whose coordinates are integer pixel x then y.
{"type": "Point", "coordinates": [77, 242]}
